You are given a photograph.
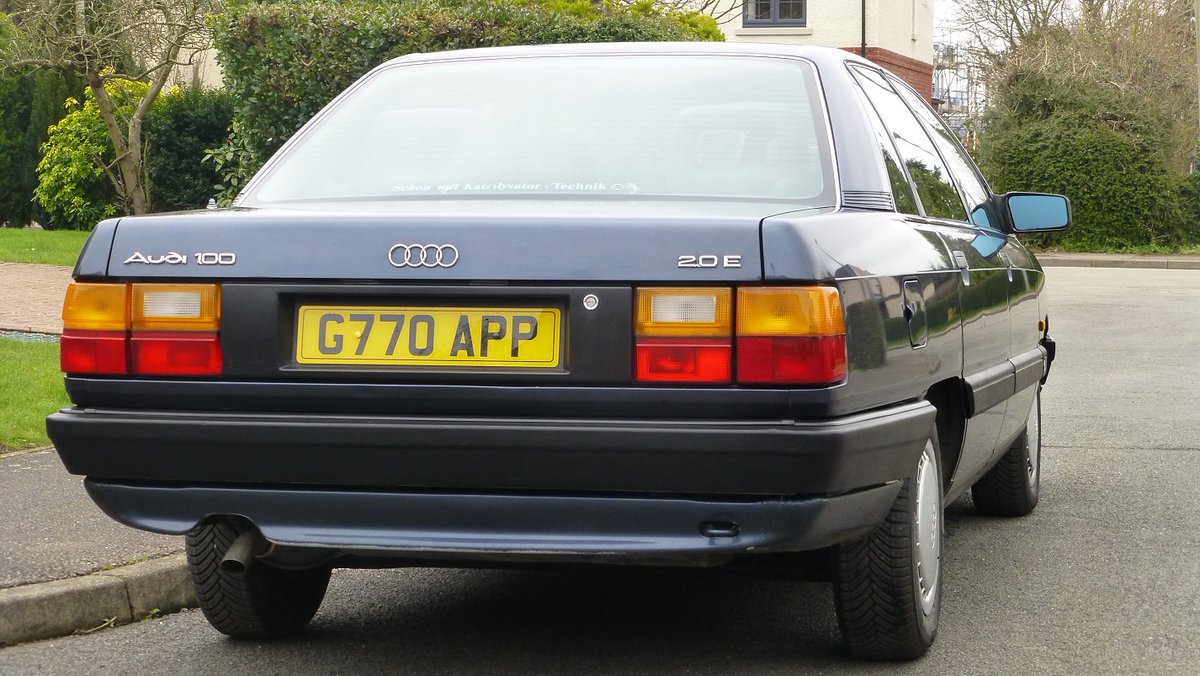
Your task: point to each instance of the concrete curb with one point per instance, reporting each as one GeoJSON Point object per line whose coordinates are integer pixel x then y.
{"type": "Point", "coordinates": [109, 598]}
{"type": "Point", "coordinates": [1119, 261]}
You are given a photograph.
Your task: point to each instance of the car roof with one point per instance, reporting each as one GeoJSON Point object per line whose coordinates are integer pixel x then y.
{"type": "Point", "coordinates": [822, 56]}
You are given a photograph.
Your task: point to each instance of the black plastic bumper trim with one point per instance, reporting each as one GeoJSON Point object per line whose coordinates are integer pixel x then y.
{"type": "Point", "coordinates": [496, 454]}
{"type": "Point", "coordinates": [1029, 368]}
{"type": "Point", "coordinates": [476, 527]}
{"type": "Point", "coordinates": [989, 387]}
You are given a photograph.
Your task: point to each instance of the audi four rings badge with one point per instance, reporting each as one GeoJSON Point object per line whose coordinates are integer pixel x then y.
{"type": "Point", "coordinates": [423, 255]}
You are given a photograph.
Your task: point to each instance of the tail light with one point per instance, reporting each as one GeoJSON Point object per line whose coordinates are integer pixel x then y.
{"type": "Point", "coordinates": [683, 335]}
{"type": "Point", "coordinates": [95, 329]}
{"type": "Point", "coordinates": [142, 329]}
{"type": "Point", "coordinates": [790, 335]}
{"type": "Point", "coordinates": [781, 335]}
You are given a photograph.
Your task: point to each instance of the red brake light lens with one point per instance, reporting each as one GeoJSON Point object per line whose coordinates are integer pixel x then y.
{"type": "Point", "coordinates": [682, 335]}
{"type": "Point", "coordinates": [98, 352]}
{"type": "Point", "coordinates": [176, 353]}
{"type": "Point", "coordinates": [812, 360]}
{"type": "Point", "coordinates": [682, 359]}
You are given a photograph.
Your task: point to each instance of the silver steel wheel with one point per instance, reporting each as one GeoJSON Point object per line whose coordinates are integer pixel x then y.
{"type": "Point", "coordinates": [887, 587]}
{"type": "Point", "coordinates": [927, 526]}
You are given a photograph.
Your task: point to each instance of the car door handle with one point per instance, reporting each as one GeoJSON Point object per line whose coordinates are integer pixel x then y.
{"type": "Point", "coordinates": [1008, 263]}
{"type": "Point", "coordinates": [960, 259]}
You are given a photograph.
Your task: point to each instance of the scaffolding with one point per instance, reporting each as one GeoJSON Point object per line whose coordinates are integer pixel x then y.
{"type": "Point", "coordinates": [958, 89]}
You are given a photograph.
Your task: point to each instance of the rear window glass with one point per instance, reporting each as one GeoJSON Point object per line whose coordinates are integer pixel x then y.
{"type": "Point", "coordinates": [703, 126]}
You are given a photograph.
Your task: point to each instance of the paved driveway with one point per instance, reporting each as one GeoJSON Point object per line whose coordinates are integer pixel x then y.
{"type": "Point", "coordinates": [33, 296]}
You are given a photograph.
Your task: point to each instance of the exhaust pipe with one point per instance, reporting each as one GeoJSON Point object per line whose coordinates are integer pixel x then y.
{"type": "Point", "coordinates": [245, 548]}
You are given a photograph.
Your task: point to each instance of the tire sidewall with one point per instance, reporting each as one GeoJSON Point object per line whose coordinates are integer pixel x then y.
{"type": "Point", "coordinates": [1034, 443]}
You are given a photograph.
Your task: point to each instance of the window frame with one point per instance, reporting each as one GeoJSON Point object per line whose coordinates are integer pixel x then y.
{"type": "Point", "coordinates": [774, 21]}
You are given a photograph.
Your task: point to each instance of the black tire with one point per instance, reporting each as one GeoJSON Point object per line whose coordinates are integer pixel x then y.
{"type": "Point", "coordinates": [888, 601]}
{"type": "Point", "coordinates": [263, 602]}
{"type": "Point", "coordinates": [1012, 487]}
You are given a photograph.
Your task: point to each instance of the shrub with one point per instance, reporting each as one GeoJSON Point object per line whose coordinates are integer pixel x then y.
{"type": "Point", "coordinates": [29, 104]}
{"type": "Point", "coordinates": [266, 50]}
{"type": "Point", "coordinates": [1102, 148]}
{"type": "Point", "coordinates": [14, 120]}
{"type": "Point", "coordinates": [73, 186]}
{"type": "Point", "coordinates": [180, 126]}
{"type": "Point", "coordinates": [1189, 199]}
{"type": "Point", "coordinates": [50, 93]}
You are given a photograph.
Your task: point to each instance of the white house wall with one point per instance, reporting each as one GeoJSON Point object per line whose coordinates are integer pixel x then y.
{"type": "Point", "coordinates": [203, 71]}
{"type": "Point", "coordinates": [901, 26]}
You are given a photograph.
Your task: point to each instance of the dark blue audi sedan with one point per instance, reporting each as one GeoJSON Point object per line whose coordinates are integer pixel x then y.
{"type": "Point", "coordinates": [685, 305]}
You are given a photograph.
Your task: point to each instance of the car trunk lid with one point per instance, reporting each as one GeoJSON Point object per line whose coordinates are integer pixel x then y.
{"type": "Point", "coordinates": [486, 241]}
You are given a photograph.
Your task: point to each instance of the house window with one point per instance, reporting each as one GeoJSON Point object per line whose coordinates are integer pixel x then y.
{"type": "Point", "coordinates": [775, 13]}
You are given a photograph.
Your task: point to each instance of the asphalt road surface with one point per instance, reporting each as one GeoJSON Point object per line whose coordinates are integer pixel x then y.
{"type": "Point", "coordinates": [1103, 578]}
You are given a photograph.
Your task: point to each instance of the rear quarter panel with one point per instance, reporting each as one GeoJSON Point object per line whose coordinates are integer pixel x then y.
{"type": "Point", "coordinates": [869, 256]}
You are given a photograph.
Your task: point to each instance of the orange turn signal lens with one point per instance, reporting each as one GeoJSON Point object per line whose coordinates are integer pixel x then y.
{"type": "Point", "coordinates": [683, 311]}
{"type": "Point", "coordinates": [789, 311]}
{"type": "Point", "coordinates": [96, 307]}
{"type": "Point", "coordinates": [176, 307]}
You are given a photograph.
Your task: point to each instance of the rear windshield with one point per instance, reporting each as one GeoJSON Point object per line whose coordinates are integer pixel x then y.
{"type": "Point", "coordinates": [674, 126]}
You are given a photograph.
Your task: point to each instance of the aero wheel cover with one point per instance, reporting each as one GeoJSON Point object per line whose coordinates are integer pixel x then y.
{"type": "Point", "coordinates": [928, 530]}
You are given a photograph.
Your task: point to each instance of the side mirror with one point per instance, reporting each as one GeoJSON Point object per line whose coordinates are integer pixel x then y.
{"type": "Point", "coordinates": [1037, 212]}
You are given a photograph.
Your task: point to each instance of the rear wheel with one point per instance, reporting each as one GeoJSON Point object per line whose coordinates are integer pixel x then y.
{"type": "Point", "coordinates": [1011, 488]}
{"type": "Point", "coordinates": [888, 586]}
{"type": "Point", "coordinates": [261, 602]}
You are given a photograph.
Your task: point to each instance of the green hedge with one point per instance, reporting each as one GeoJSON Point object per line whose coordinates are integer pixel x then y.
{"type": "Point", "coordinates": [15, 169]}
{"type": "Point", "coordinates": [180, 127]}
{"type": "Point", "coordinates": [1121, 194]}
{"type": "Point", "coordinates": [29, 105]}
{"type": "Point", "coordinates": [72, 185]}
{"type": "Point", "coordinates": [284, 61]}
{"type": "Point", "coordinates": [1105, 150]}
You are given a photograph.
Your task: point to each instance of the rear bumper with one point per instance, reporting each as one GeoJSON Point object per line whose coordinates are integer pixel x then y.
{"type": "Point", "coordinates": [509, 528]}
{"type": "Point", "coordinates": [495, 454]}
{"type": "Point", "coordinates": [497, 486]}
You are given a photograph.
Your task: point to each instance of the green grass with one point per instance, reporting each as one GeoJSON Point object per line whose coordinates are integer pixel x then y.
{"type": "Point", "coordinates": [31, 387]}
{"type": "Point", "coordinates": [53, 247]}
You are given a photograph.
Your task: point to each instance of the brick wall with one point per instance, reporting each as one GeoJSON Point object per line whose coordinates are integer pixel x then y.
{"type": "Point", "coordinates": [918, 74]}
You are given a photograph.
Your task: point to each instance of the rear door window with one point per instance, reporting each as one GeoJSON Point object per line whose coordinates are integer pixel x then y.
{"type": "Point", "coordinates": [902, 192]}
{"type": "Point", "coordinates": [928, 172]}
{"type": "Point", "coordinates": [962, 168]}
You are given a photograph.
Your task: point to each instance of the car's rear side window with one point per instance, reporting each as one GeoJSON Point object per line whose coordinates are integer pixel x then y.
{"type": "Point", "coordinates": [901, 188]}
{"type": "Point", "coordinates": [974, 190]}
{"type": "Point", "coordinates": [673, 125]}
{"type": "Point", "coordinates": [929, 174]}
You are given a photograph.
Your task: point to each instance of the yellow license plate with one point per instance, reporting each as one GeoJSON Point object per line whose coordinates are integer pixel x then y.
{"type": "Point", "coordinates": [425, 336]}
